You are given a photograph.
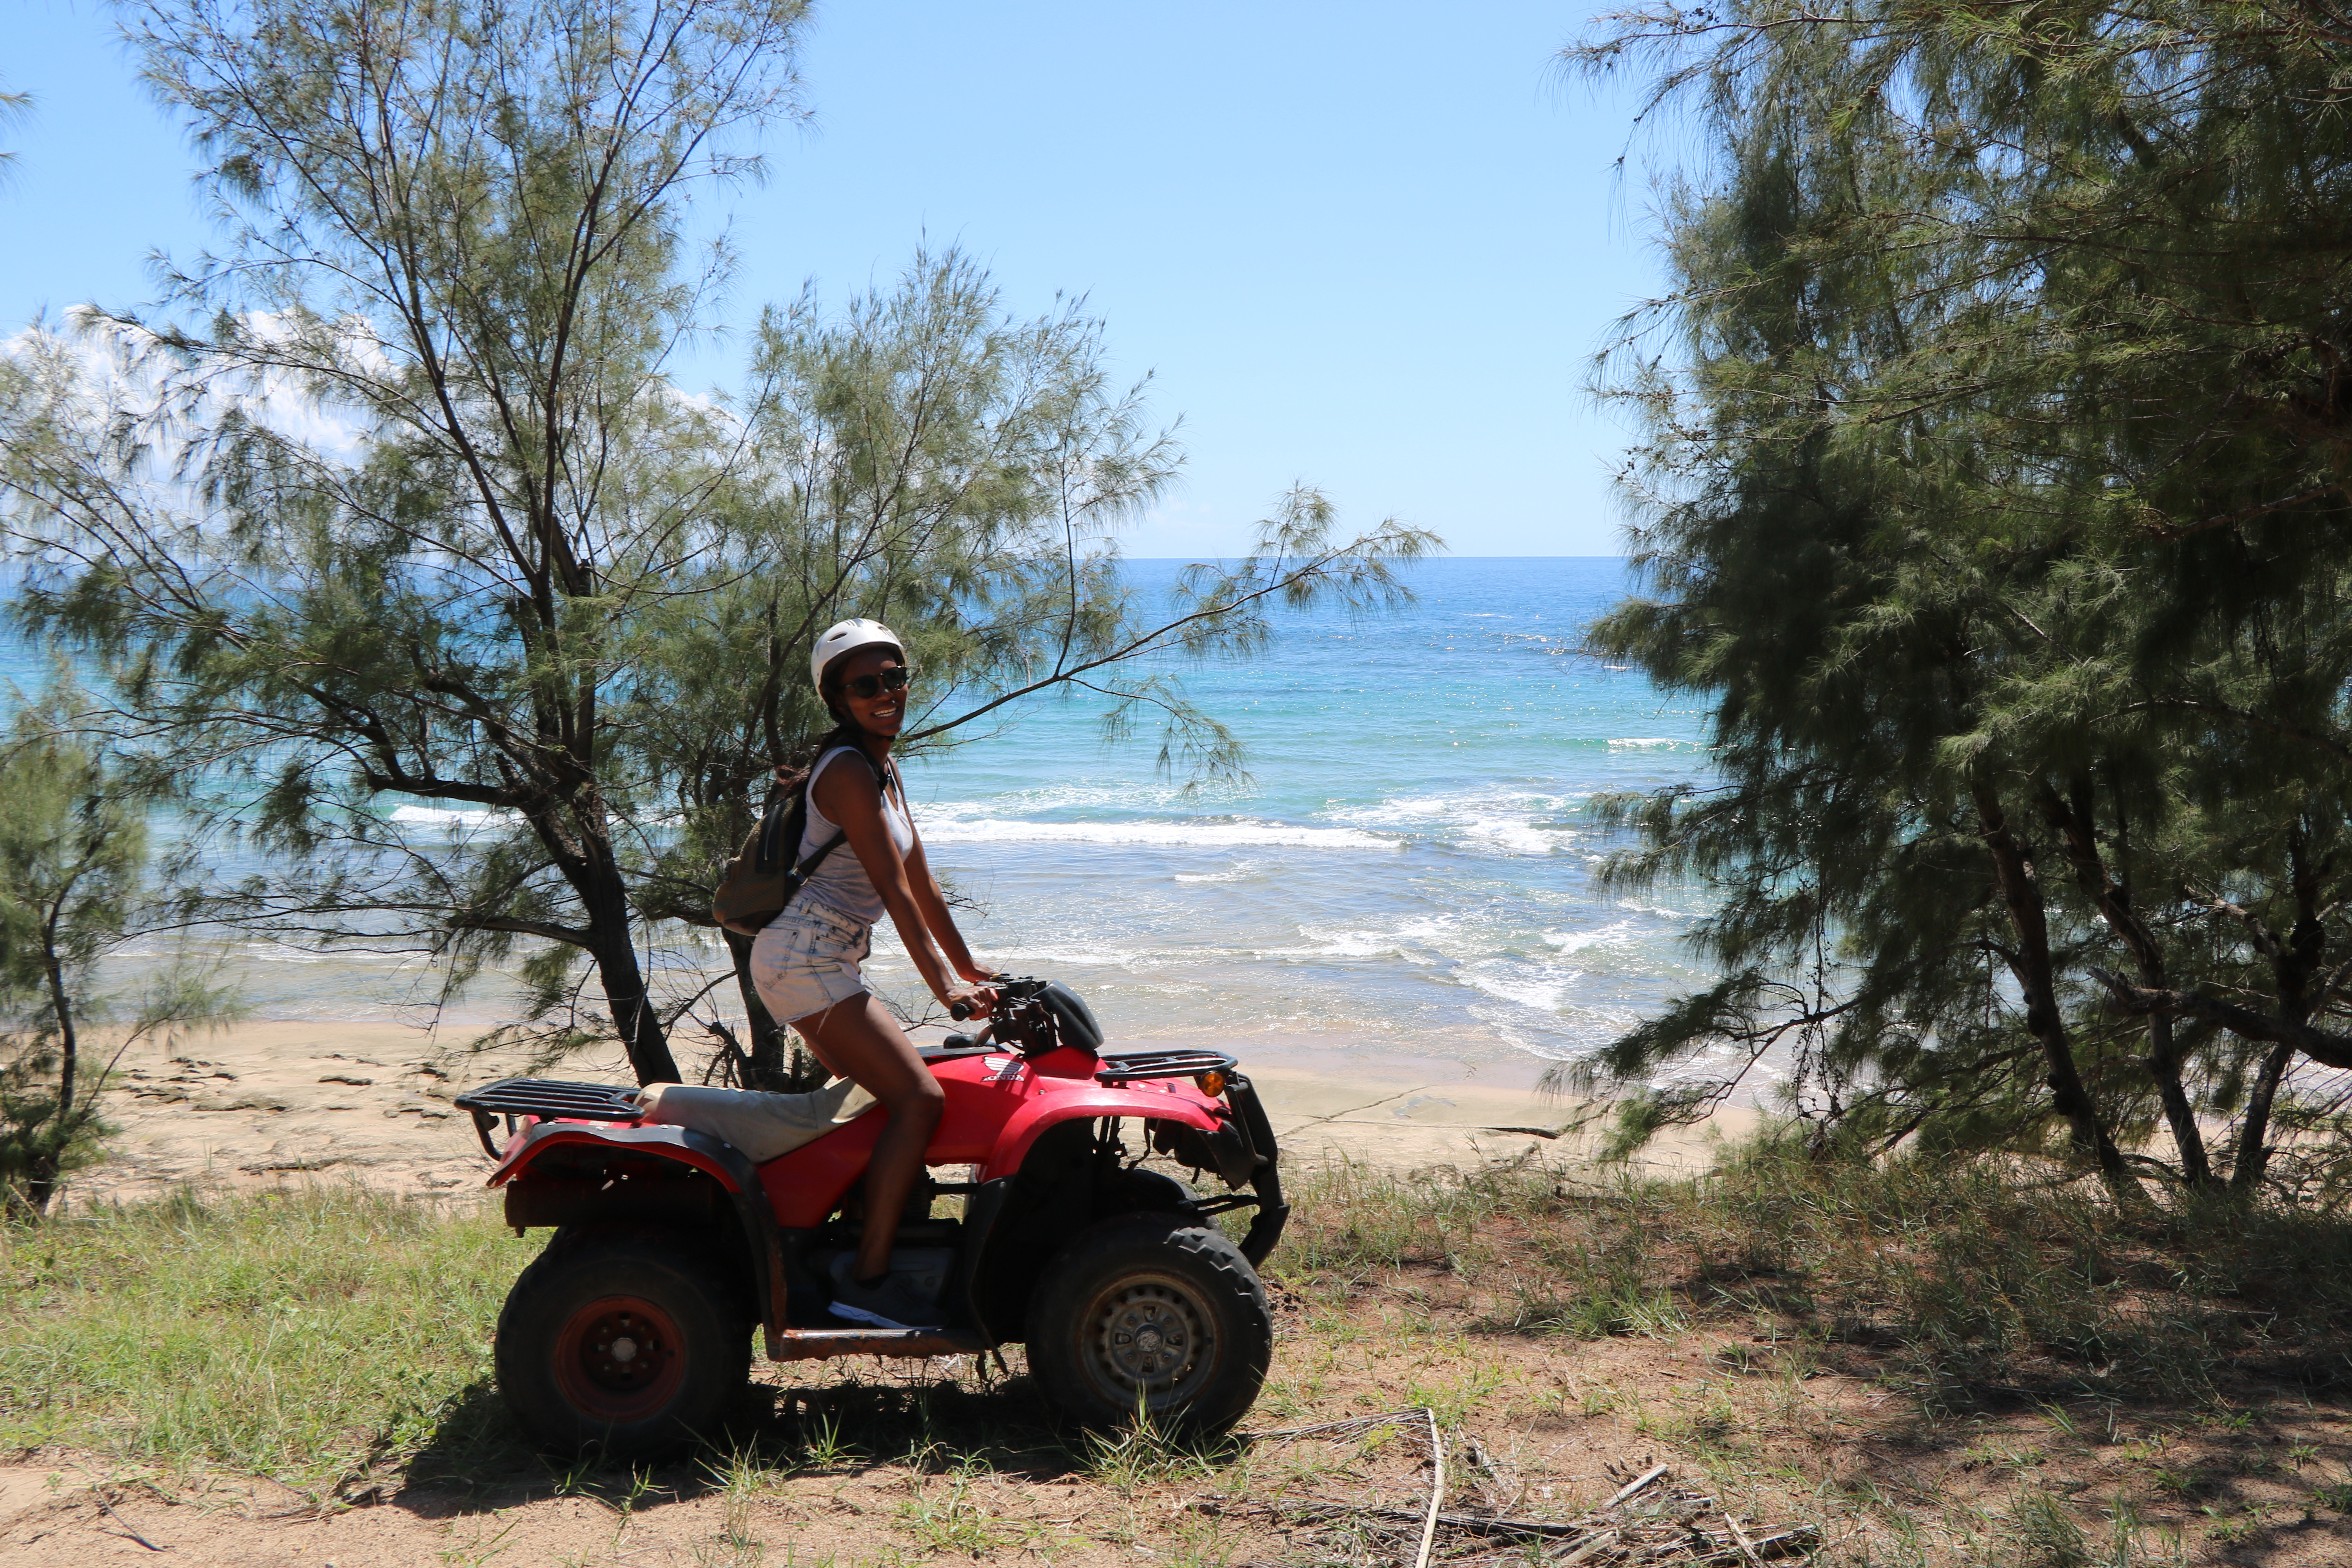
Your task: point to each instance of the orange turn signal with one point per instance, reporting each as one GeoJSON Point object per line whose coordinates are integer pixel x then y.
{"type": "Point", "coordinates": [1212, 1084]}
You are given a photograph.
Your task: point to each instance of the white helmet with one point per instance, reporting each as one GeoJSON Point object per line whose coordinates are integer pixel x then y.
{"type": "Point", "coordinates": [848, 636]}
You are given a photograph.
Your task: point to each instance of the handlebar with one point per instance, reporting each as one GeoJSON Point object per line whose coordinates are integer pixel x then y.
{"type": "Point", "coordinates": [960, 1011]}
{"type": "Point", "coordinates": [1034, 1016]}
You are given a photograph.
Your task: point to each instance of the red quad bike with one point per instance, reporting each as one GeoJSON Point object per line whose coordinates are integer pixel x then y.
{"type": "Point", "coordinates": [632, 1330]}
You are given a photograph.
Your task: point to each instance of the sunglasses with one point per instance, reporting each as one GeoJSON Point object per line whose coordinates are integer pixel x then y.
{"type": "Point", "coordinates": [868, 687]}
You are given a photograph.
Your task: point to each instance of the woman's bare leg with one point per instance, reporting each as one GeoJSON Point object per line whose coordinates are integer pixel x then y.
{"type": "Point", "coordinates": [858, 1039]}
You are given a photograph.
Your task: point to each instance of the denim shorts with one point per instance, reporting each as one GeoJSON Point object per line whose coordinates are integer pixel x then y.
{"type": "Point", "coordinates": [806, 960]}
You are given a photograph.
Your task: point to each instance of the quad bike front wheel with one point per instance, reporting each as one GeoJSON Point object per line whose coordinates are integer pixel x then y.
{"type": "Point", "coordinates": [621, 1343]}
{"type": "Point", "coordinates": [1152, 1313]}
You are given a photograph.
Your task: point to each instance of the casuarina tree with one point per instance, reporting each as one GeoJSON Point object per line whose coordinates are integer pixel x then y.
{"type": "Point", "coordinates": [478, 625]}
{"type": "Point", "coordinates": [73, 872]}
{"type": "Point", "coordinates": [70, 856]}
{"type": "Point", "coordinates": [1993, 496]}
{"type": "Point", "coordinates": [14, 108]}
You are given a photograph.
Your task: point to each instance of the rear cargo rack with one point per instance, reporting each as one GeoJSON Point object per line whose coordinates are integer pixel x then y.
{"type": "Point", "coordinates": [550, 1099]}
{"type": "Point", "coordinates": [1138, 1064]}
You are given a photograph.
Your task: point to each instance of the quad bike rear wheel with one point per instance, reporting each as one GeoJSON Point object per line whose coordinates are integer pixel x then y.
{"type": "Point", "coordinates": [1153, 1312]}
{"type": "Point", "coordinates": [622, 1344]}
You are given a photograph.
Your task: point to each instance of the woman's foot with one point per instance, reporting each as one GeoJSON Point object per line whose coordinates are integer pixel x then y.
{"type": "Point", "coordinates": [890, 1302]}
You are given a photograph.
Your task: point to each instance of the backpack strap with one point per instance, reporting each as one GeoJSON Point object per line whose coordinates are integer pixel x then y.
{"type": "Point", "coordinates": [772, 823]}
{"type": "Point", "coordinates": [787, 822]}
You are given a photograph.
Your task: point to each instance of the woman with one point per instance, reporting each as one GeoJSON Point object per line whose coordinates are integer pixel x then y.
{"type": "Point", "coordinates": [805, 963]}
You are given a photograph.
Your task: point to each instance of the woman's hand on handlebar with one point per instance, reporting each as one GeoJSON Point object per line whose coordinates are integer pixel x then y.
{"type": "Point", "coordinates": [976, 999]}
{"type": "Point", "coordinates": [969, 1001]}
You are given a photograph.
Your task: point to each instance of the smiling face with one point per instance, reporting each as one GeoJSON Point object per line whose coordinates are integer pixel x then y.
{"type": "Point", "coordinates": [881, 713]}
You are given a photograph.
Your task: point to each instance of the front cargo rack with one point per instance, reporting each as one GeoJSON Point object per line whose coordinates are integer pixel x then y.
{"type": "Point", "coordinates": [550, 1099]}
{"type": "Point", "coordinates": [1139, 1065]}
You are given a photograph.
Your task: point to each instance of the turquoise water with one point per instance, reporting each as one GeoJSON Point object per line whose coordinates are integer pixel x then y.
{"type": "Point", "coordinates": [1408, 871]}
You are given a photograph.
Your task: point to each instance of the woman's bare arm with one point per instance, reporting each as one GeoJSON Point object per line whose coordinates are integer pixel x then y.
{"type": "Point", "coordinates": [849, 796]}
{"type": "Point", "coordinates": [933, 903]}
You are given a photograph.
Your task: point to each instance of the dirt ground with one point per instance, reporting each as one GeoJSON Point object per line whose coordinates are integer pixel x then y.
{"type": "Point", "coordinates": [873, 1463]}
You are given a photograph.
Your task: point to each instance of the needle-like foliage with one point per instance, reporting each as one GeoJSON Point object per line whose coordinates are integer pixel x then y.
{"type": "Point", "coordinates": [487, 633]}
{"type": "Point", "coordinates": [74, 862]}
{"type": "Point", "coordinates": [1993, 497]}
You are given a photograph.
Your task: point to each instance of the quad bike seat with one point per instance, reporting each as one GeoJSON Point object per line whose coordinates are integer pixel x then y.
{"type": "Point", "coordinates": [764, 1126]}
{"type": "Point", "coordinates": [759, 1125]}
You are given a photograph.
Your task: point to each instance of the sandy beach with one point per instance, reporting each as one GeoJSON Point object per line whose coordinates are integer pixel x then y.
{"type": "Point", "coordinates": [267, 1103]}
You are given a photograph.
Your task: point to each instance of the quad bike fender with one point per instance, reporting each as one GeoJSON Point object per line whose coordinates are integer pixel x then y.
{"type": "Point", "coordinates": [1041, 1185]}
{"type": "Point", "coordinates": [1038, 1185]}
{"type": "Point", "coordinates": [539, 1142]}
{"type": "Point", "coordinates": [1034, 1119]}
{"type": "Point", "coordinates": [1257, 1128]}
{"type": "Point", "coordinates": [563, 1172]}
{"type": "Point", "coordinates": [803, 1186]}
{"type": "Point", "coordinates": [1050, 1155]}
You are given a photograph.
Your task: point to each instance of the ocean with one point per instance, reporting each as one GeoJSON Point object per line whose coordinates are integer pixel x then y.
{"type": "Point", "coordinates": [1407, 873]}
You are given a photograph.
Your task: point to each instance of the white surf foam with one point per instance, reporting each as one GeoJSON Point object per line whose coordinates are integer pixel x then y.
{"type": "Point", "coordinates": [1617, 933]}
{"type": "Point", "coordinates": [1153, 835]}
{"type": "Point", "coordinates": [1422, 935]}
{"type": "Point", "coordinates": [1131, 796]}
{"type": "Point", "coordinates": [1517, 836]}
{"type": "Point", "coordinates": [1036, 960]}
{"type": "Point", "coordinates": [459, 818]}
{"type": "Point", "coordinates": [1512, 822]}
{"type": "Point", "coordinates": [277, 953]}
{"type": "Point", "coordinates": [1539, 989]}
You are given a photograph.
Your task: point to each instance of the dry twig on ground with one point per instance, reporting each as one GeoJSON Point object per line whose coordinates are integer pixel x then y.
{"type": "Point", "coordinates": [1650, 1518]}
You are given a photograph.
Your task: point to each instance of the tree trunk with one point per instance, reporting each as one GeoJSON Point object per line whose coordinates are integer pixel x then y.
{"type": "Point", "coordinates": [2253, 1135]}
{"type": "Point", "coordinates": [2295, 966]}
{"type": "Point", "coordinates": [577, 840]}
{"type": "Point", "coordinates": [583, 853]}
{"type": "Point", "coordinates": [613, 946]}
{"type": "Point", "coordinates": [2036, 977]}
{"type": "Point", "coordinates": [42, 1179]}
{"type": "Point", "coordinates": [2076, 821]}
{"type": "Point", "coordinates": [69, 1053]}
{"type": "Point", "coordinates": [634, 1017]}
{"type": "Point", "coordinates": [2163, 1063]}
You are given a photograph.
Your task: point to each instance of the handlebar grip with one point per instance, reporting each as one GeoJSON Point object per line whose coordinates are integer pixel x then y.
{"type": "Point", "coordinates": [959, 1011]}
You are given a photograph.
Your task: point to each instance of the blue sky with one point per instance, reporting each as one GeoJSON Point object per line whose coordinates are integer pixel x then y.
{"type": "Point", "coordinates": [1369, 245]}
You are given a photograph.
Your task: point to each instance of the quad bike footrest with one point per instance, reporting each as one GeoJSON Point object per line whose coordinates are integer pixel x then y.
{"type": "Point", "coordinates": [810, 1344]}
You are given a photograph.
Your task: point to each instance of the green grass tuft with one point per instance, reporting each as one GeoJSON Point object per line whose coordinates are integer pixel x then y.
{"type": "Point", "coordinates": [1986, 1282]}
{"type": "Point", "coordinates": [327, 1333]}
{"type": "Point", "coordinates": [306, 1335]}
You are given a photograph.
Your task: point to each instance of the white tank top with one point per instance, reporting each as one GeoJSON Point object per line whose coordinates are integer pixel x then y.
{"type": "Point", "coordinates": [841, 880]}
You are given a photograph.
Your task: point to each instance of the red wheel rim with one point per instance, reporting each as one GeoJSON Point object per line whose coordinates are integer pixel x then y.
{"type": "Point", "coordinates": [620, 1359]}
